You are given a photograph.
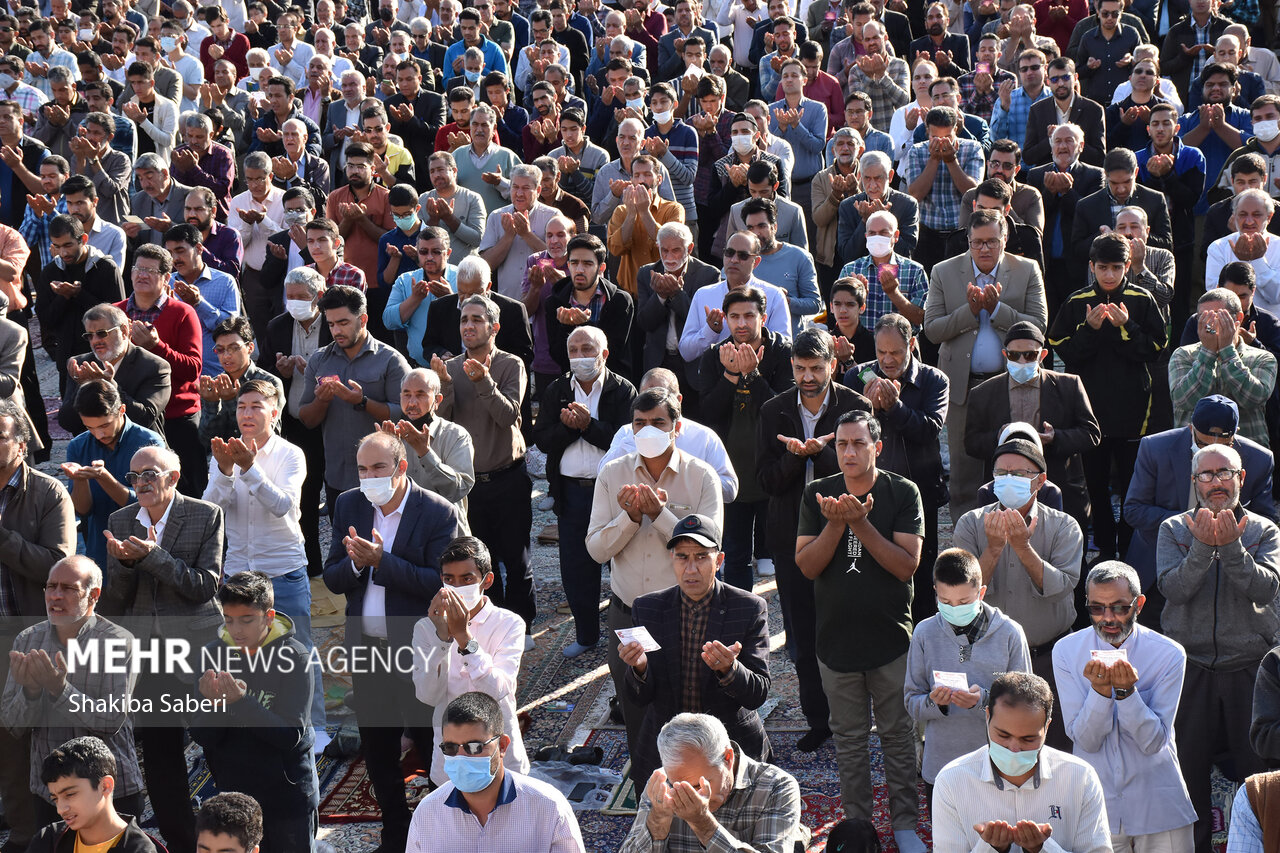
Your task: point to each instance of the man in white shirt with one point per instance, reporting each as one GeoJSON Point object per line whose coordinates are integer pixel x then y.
{"type": "Point", "coordinates": [485, 805]}
{"type": "Point", "coordinates": [256, 214]}
{"type": "Point", "coordinates": [1251, 243]}
{"type": "Point", "coordinates": [1119, 684]}
{"type": "Point", "coordinates": [291, 57]}
{"type": "Point", "coordinates": [173, 44]}
{"type": "Point", "coordinates": [1015, 790]}
{"type": "Point", "coordinates": [466, 643]}
{"type": "Point", "coordinates": [257, 480]}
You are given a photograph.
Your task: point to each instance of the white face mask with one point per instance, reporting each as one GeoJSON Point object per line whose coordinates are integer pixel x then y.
{"type": "Point", "coordinates": [7, 81]}
{"type": "Point", "coordinates": [379, 490]}
{"type": "Point", "coordinates": [652, 442]}
{"type": "Point", "coordinates": [878, 245]}
{"type": "Point", "coordinates": [300, 309]}
{"type": "Point", "coordinates": [743, 142]}
{"type": "Point", "coordinates": [662, 118]}
{"type": "Point", "coordinates": [1266, 130]}
{"type": "Point", "coordinates": [585, 368]}
{"type": "Point", "coordinates": [471, 594]}
{"type": "Point", "coordinates": [636, 104]}
{"type": "Point", "coordinates": [85, 35]}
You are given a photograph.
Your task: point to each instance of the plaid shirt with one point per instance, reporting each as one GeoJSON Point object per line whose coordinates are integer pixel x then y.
{"type": "Point", "coordinates": [1203, 36]}
{"type": "Point", "coordinates": [149, 315]}
{"type": "Point", "coordinates": [35, 230]}
{"type": "Point", "coordinates": [28, 97]}
{"type": "Point", "coordinates": [693, 633]}
{"type": "Point", "coordinates": [8, 598]}
{"type": "Point", "coordinates": [1245, 12]}
{"type": "Point", "coordinates": [940, 209]}
{"type": "Point", "coordinates": [975, 103]}
{"type": "Point", "coordinates": [912, 283]}
{"type": "Point", "coordinates": [54, 720]}
{"type": "Point", "coordinates": [1246, 374]}
{"type": "Point", "coordinates": [344, 273]}
{"type": "Point", "coordinates": [593, 307]}
{"type": "Point", "coordinates": [762, 812]}
{"type": "Point", "coordinates": [1012, 124]}
{"type": "Point", "coordinates": [887, 94]}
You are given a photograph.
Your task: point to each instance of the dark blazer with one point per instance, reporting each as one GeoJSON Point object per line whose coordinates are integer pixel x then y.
{"type": "Point", "coordinates": [781, 474]}
{"type": "Point", "coordinates": [443, 339]}
{"type": "Point", "coordinates": [737, 616]}
{"type": "Point", "coordinates": [275, 269]}
{"type": "Point", "coordinates": [144, 384]}
{"type": "Point", "coordinates": [1060, 210]}
{"type": "Point", "coordinates": [1094, 211]}
{"type": "Point", "coordinates": [1175, 64]}
{"type": "Point", "coordinates": [37, 529]}
{"type": "Point", "coordinates": [957, 43]}
{"type": "Point", "coordinates": [737, 90]}
{"type": "Point", "coordinates": [410, 569]}
{"type": "Point", "coordinates": [1161, 488]}
{"type": "Point", "coordinates": [280, 339]}
{"type": "Point", "coordinates": [851, 231]}
{"type": "Point", "coordinates": [316, 176]}
{"type": "Point", "coordinates": [419, 132]}
{"type": "Point", "coordinates": [554, 438]}
{"type": "Point", "coordinates": [721, 398]}
{"type": "Point", "coordinates": [652, 313]}
{"type": "Point", "coordinates": [615, 321]}
{"type": "Point", "coordinates": [1084, 112]}
{"type": "Point", "coordinates": [899, 27]}
{"type": "Point", "coordinates": [1065, 405]}
{"type": "Point", "coordinates": [1024, 240]}
{"type": "Point", "coordinates": [910, 430]}
{"type": "Point", "coordinates": [171, 592]}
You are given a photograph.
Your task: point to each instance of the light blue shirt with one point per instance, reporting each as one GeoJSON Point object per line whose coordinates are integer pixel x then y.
{"type": "Point", "coordinates": [219, 300]}
{"type": "Point", "coordinates": [698, 337]}
{"type": "Point", "coordinates": [791, 268]}
{"type": "Point", "coordinates": [988, 349]}
{"type": "Point", "coordinates": [109, 240]}
{"type": "Point", "coordinates": [1244, 835]}
{"type": "Point", "coordinates": [494, 59]}
{"type": "Point", "coordinates": [1129, 742]}
{"type": "Point", "coordinates": [808, 139]}
{"type": "Point", "coordinates": [416, 327]}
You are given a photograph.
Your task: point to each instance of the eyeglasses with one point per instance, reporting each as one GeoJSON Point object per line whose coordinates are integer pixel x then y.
{"type": "Point", "coordinates": [1030, 68]}
{"type": "Point", "coordinates": [426, 253]}
{"type": "Point", "coordinates": [1108, 14]}
{"type": "Point", "coordinates": [230, 348]}
{"type": "Point", "coordinates": [471, 747]}
{"type": "Point", "coordinates": [1222, 475]}
{"type": "Point", "coordinates": [146, 271]}
{"type": "Point", "coordinates": [1026, 357]}
{"type": "Point", "coordinates": [1121, 610]}
{"type": "Point", "coordinates": [984, 244]}
{"type": "Point", "coordinates": [99, 335]}
{"type": "Point", "coordinates": [1060, 78]}
{"type": "Point", "coordinates": [146, 477]}
{"type": "Point", "coordinates": [730, 254]}
{"type": "Point", "coordinates": [1144, 72]}
{"type": "Point", "coordinates": [1021, 472]}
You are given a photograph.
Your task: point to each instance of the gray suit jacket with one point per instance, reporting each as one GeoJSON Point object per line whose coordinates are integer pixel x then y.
{"type": "Point", "coordinates": [171, 592]}
{"type": "Point", "coordinates": [790, 222]}
{"type": "Point", "coordinates": [949, 323]}
{"type": "Point", "coordinates": [653, 314]}
{"type": "Point", "coordinates": [13, 355]}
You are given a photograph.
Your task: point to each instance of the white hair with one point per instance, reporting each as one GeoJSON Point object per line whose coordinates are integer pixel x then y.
{"type": "Point", "coordinates": [428, 377]}
{"type": "Point", "coordinates": [701, 733]}
{"type": "Point", "coordinates": [1110, 571]}
{"type": "Point", "coordinates": [875, 158]}
{"type": "Point", "coordinates": [1226, 451]}
{"type": "Point", "coordinates": [677, 230]}
{"type": "Point", "coordinates": [634, 123]}
{"type": "Point", "coordinates": [881, 216]}
{"type": "Point", "coordinates": [474, 267]}
{"type": "Point", "coordinates": [596, 335]}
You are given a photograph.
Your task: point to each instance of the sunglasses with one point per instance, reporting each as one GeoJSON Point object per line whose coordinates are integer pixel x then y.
{"type": "Point", "coordinates": [471, 747]}
{"type": "Point", "coordinates": [1060, 78]}
{"type": "Point", "coordinates": [100, 334]}
{"type": "Point", "coordinates": [1030, 68]}
{"type": "Point", "coordinates": [1028, 357]}
{"type": "Point", "coordinates": [1121, 610]}
{"type": "Point", "coordinates": [730, 254]}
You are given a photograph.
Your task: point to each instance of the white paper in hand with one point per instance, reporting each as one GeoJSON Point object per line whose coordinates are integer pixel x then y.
{"type": "Point", "coordinates": [638, 634]}
{"type": "Point", "coordinates": [1109, 656]}
{"type": "Point", "coordinates": [954, 680]}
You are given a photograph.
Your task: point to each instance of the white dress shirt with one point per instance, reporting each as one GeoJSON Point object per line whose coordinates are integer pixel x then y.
{"type": "Point", "coordinates": [297, 67]}
{"type": "Point", "coordinates": [254, 236]}
{"type": "Point", "coordinates": [374, 615]}
{"type": "Point", "coordinates": [144, 518]}
{"type": "Point", "coordinates": [1130, 741]}
{"type": "Point", "coordinates": [1267, 268]}
{"type": "Point", "coordinates": [695, 439]}
{"type": "Point", "coordinates": [441, 674]}
{"type": "Point", "coordinates": [530, 815]}
{"type": "Point", "coordinates": [697, 337]}
{"type": "Point", "coordinates": [261, 508]}
{"type": "Point", "coordinates": [582, 458]}
{"type": "Point", "coordinates": [1064, 793]}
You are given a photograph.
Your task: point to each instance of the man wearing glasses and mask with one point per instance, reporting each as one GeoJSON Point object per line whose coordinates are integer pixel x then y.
{"type": "Point", "coordinates": [1218, 569]}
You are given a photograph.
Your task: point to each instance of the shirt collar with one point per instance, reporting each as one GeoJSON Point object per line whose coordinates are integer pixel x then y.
{"type": "Point", "coordinates": [399, 510]}
{"type": "Point", "coordinates": [144, 518]}
{"type": "Point", "coordinates": [506, 795]}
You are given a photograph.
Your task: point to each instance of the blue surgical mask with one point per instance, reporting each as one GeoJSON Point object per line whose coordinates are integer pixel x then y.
{"type": "Point", "coordinates": [960, 615]}
{"type": "Point", "coordinates": [1012, 763]}
{"type": "Point", "coordinates": [1012, 491]}
{"type": "Point", "coordinates": [168, 44]}
{"type": "Point", "coordinates": [1020, 371]}
{"type": "Point", "coordinates": [406, 223]}
{"type": "Point", "coordinates": [469, 774]}
{"type": "Point", "coordinates": [473, 77]}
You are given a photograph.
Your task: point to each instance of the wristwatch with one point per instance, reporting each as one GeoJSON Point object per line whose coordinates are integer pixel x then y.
{"type": "Point", "coordinates": [1121, 692]}
{"type": "Point", "coordinates": [470, 648]}
{"type": "Point", "coordinates": [364, 402]}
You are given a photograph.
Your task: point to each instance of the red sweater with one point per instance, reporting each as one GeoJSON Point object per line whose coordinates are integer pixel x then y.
{"type": "Point", "coordinates": [181, 344]}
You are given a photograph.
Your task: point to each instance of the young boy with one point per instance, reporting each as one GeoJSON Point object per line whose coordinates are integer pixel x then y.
{"type": "Point", "coordinates": [229, 823]}
{"type": "Point", "coordinates": [260, 740]}
{"type": "Point", "coordinates": [81, 778]}
{"type": "Point", "coordinates": [967, 637]}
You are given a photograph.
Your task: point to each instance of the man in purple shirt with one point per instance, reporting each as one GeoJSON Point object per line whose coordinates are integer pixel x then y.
{"type": "Point", "coordinates": [201, 162]}
{"type": "Point", "coordinates": [223, 249]}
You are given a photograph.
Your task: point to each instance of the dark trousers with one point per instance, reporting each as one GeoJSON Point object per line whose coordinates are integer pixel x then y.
{"type": "Point", "coordinates": [800, 615]}
{"type": "Point", "coordinates": [500, 511]}
{"type": "Point", "coordinates": [1042, 665]}
{"type": "Point", "coordinates": [385, 708]}
{"type": "Point", "coordinates": [311, 441]}
{"type": "Point", "coordinates": [1112, 460]}
{"type": "Point", "coordinates": [289, 833]}
{"type": "Point", "coordinates": [743, 536]}
{"type": "Point", "coordinates": [183, 436]}
{"type": "Point", "coordinates": [15, 775]}
{"type": "Point", "coordinates": [377, 297]}
{"type": "Point", "coordinates": [632, 714]}
{"type": "Point", "coordinates": [260, 305]}
{"type": "Point", "coordinates": [709, 223]}
{"type": "Point", "coordinates": [579, 574]}
{"type": "Point", "coordinates": [30, 382]}
{"type": "Point", "coordinates": [932, 247]}
{"type": "Point", "coordinates": [164, 764]}
{"type": "Point", "coordinates": [1214, 716]}
{"type": "Point", "coordinates": [130, 804]}
{"type": "Point", "coordinates": [924, 603]}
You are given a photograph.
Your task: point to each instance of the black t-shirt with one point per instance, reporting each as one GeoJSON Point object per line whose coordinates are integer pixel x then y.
{"type": "Point", "coordinates": [146, 145]}
{"type": "Point", "coordinates": [864, 612]}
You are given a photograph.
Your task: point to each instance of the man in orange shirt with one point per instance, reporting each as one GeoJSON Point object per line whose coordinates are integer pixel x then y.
{"type": "Point", "coordinates": [633, 227]}
{"type": "Point", "coordinates": [363, 215]}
